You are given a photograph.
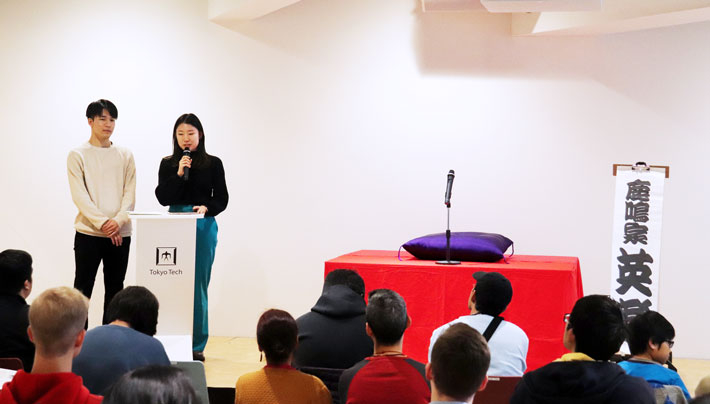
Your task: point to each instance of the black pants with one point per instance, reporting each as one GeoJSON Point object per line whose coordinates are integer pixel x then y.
{"type": "Point", "coordinates": [89, 251]}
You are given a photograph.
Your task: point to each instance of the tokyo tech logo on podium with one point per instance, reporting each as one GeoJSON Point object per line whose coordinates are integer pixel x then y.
{"type": "Point", "coordinates": [166, 256]}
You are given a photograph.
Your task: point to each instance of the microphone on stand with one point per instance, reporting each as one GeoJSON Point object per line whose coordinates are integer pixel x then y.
{"type": "Point", "coordinates": [449, 185]}
{"type": "Point", "coordinates": [447, 202]}
{"type": "Point", "coordinates": [186, 170]}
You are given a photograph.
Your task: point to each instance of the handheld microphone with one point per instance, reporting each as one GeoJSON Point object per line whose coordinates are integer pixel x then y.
{"type": "Point", "coordinates": [449, 184]}
{"type": "Point", "coordinates": [186, 170]}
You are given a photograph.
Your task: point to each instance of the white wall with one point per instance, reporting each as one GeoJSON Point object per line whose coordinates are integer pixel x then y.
{"type": "Point", "coordinates": [337, 123]}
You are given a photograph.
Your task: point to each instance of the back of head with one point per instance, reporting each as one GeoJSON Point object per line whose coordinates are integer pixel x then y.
{"type": "Point", "coordinates": [276, 334]}
{"type": "Point", "coordinates": [346, 277]}
{"type": "Point", "coordinates": [386, 315]}
{"type": "Point", "coordinates": [703, 387]}
{"type": "Point", "coordinates": [137, 306]}
{"type": "Point", "coordinates": [598, 326]}
{"type": "Point", "coordinates": [649, 326]}
{"type": "Point", "coordinates": [15, 269]}
{"type": "Point", "coordinates": [459, 361]}
{"type": "Point", "coordinates": [97, 107]}
{"type": "Point", "coordinates": [154, 384]}
{"type": "Point", "coordinates": [57, 316]}
{"type": "Point", "coordinates": [493, 293]}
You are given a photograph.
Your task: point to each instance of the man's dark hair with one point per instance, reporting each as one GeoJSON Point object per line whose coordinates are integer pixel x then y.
{"type": "Point", "coordinates": [15, 269]}
{"type": "Point", "coordinates": [276, 334]}
{"type": "Point", "coordinates": [152, 384]}
{"type": "Point", "coordinates": [137, 306]}
{"type": "Point", "coordinates": [598, 326]}
{"type": "Point", "coordinates": [459, 361]}
{"type": "Point", "coordinates": [649, 326]}
{"type": "Point", "coordinates": [346, 277]}
{"type": "Point", "coordinates": [386, 314]}
{"type": "Point", "coordinates": [97, 108]}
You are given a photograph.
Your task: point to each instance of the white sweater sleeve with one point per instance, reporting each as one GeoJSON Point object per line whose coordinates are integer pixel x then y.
{"type": "Point", "coordinates": [79, 193]}
{"type": "Point", "coordinates": [128, 201]}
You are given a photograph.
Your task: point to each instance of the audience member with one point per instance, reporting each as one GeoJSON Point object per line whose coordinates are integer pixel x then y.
{"type": "Point", "coordinates": [15, 286]}
{"type": "Point", "coordinates": [57, 318]}
{"type": "Point", "coordinates": [703, 387]}
{"type": "Point", "coordinates": [152, 384]}
{"type": "Point", "coordinates": [126, 343]}
{"type": "Point", "coordinates": [388, 376]}
{"type": "Point", "coordinates": [278, 382]}
{"type": "Point", "coordinates": [508, 344]}
{"type": "Point", "coordinates": [650, 342]}
{"type": "Point", "coordinates": [333, 334]}
{"type": "Point", "coordinates": [458, 365]}
{"type": "Point", "coordinates": [594, 332]}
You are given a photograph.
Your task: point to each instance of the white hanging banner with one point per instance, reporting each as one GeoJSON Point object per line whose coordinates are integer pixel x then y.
{"type": "Point", "coordinates": [636, 240]}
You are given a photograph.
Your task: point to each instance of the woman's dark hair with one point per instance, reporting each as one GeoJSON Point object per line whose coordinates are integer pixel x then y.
{"type": "Point", "coordinates": [154, 384]}
{"type": "Point", "coordinates": [137, 306]}
{"type": "Point", "coordinates": [276, 334]}
{"type": "Point", "coordinates": [199, 156]}
{"type": "Point", "coordinates": [649, 326]}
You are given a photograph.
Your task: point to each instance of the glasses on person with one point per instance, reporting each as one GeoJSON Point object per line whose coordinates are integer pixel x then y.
{"type": "Point", "coordinates": [566, 318]}
{"type": "Point", "coordinates": [670, 344]}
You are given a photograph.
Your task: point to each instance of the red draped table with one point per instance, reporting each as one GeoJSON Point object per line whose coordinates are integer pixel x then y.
{"type": "Point", "coordinates": [544, 289]}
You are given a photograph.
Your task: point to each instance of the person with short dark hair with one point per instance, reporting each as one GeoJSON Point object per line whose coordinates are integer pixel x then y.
{"type": "Point", "coordinates": [102, 181]}
{"type": "Point", "coordinates": [332, 334]}
{"type": "Point", "coordinates": [278, 382]}
{"type": "Point", "coordinates": [594, 331]}
{"type": "Point", "coordinates": [458, 366]}
{"type": "Point", "coordinates": [126, 343]}
{"type": "Point", "coordinates": [650, 342]}
{"type": "Point", "coordinates": [194, 182]}
{"type": "Point", "coordinates": [152, 384]}
{"type": "Point", "coordinates": [57, 318]}
{"type": "Point", "coordinates": [507, 342]}
{"type": "Point", "coordinates": [388, 376]}
{"type": "Point", "coordinates": [15, 286]}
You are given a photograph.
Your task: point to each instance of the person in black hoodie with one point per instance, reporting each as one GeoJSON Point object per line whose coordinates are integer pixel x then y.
{"type": "Point", "coordinates": [332, 334]}
{"type": "Point", "coordinates": [15, 286]}
{"type": "Point", "coordinates": [594, 332]}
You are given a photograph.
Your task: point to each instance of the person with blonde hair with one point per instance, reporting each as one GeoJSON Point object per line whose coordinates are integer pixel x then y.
{"type": "Point", "coordinates": [57, 319]}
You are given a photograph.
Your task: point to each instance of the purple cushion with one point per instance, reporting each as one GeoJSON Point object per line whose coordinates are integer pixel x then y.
{"type": "Point", "coordinates": [465, 246]}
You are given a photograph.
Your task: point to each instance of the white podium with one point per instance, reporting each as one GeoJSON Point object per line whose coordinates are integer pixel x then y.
{"type": "Point", "coordinates": [165, 264]}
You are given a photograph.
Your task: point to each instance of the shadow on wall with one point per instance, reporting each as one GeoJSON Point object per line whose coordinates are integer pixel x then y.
{"type": "Point", "coordinates": [649, 67]}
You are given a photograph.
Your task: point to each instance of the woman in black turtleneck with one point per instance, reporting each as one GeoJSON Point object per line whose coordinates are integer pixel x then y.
{"type": "Point", "coordinates": [203, 190]}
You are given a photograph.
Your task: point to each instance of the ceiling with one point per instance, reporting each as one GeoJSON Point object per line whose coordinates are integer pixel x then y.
{"type": "Point", "coordinates": [528, 17]}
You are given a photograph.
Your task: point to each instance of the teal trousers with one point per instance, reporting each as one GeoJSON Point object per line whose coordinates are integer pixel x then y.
{"type": "Point", "coordinates": [206, 245]}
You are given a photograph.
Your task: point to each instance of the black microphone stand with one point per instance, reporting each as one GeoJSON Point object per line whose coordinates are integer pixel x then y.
{"type": "Point", "coordinates": [448, 240]}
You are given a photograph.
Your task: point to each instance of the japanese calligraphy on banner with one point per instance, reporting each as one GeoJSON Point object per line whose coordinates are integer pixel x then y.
{"type": "Point", "coordinates": [636, 241]}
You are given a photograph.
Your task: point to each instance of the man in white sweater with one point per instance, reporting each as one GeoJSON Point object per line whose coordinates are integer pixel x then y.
{"type": "Point", "coordinates": [102, 180]}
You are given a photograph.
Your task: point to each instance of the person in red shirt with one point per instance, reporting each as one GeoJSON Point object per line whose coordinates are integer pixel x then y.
{"type": "Point", "coordinates": [57, 319]}
{"type": "Point", "coordinates": [388, 376]}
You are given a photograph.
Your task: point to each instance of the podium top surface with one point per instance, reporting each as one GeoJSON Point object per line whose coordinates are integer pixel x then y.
{"type": "Point", "coordinates": [165, 216]}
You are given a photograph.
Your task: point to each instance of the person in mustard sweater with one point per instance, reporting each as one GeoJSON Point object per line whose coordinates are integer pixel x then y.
{"type": "Point", "coordinates": [278, 382]}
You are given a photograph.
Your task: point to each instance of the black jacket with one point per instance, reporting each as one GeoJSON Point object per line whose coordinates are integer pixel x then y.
{"type": "Point", "coordinates": [333, 334]}
{"type": "Point", "coordinates": [582, 382]}
{"type": "Point", "coordinates": [14, 320]}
